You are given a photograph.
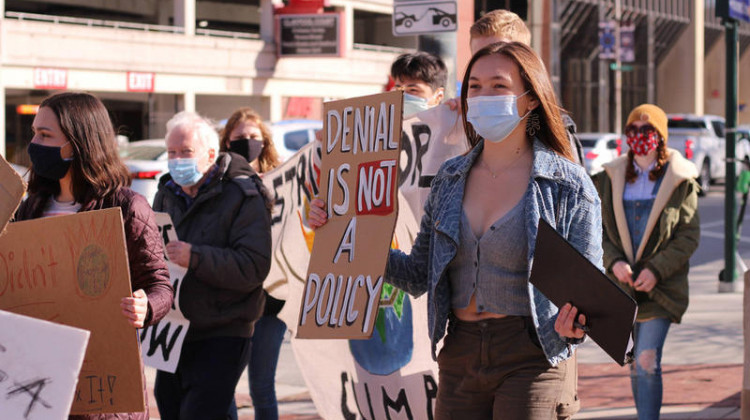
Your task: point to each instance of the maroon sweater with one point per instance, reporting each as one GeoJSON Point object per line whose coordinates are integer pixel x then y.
{"type": "Point", "coordinates": [148, 270]}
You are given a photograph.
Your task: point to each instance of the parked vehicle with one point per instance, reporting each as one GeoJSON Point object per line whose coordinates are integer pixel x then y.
{"type": "Point", "coordinates": [598, 149]}
{"type": "Point", "coordinates": [701, 140]}
{"type": "Point", "coordinates": [291, 135]}
{"type": "Point", "coordinates": [21, 170]}
{"type": "Point", "coordinates": [147, 162]}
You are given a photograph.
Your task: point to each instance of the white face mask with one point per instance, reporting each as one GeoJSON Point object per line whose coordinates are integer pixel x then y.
{"type": "Point", "coordinates": [414, 104]}
{"type": "Point", "coordinates": [494, 117]}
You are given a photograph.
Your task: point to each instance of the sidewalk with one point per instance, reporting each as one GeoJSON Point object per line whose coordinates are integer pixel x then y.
{"type": "Point", "coordinates": [702, 366]}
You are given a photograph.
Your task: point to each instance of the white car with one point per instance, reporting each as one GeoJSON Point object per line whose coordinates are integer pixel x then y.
{"type": "Point", "coordinates": [598, 149]}
{"type": "Point", "coordinates": [291, 135]}
{"type": "Point", "coordinates": [147, 162]}
{"type": "Point", "coordinates": [21, 170]}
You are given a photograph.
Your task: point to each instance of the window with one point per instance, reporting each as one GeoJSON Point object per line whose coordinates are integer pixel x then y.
{"type": "Point", "coordinates": [718, 127]}
{"type": "Point", "coordinates": [295, 140]}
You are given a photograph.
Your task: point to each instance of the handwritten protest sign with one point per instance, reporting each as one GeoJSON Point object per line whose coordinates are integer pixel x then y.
{"type": "Point", "coordinates": [74, 270]}
{"type": "Point", "coordinates": [161, 343]}
{"type": "Point", "coordinates": [12, 189]}
{"type": "Point", "coordinates": [390, 375]}
{"type": "Point", "coordinates": [38, 383]}
{"type": "Point", "coordinates": [359, 180]}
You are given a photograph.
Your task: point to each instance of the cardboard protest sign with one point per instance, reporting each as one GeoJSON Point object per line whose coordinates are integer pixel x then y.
{"type": "Point", "coordinates": [39, 366]}
{"type": "Point", "coordinates": [161, 343]}
{"type": "Point", "coordinates": [12, 189]}
{"type": "Point", "coordinates": [359, 179]}
{"type": "Point", "coordinates": [391, 374]}
{"type": "Point", "coordinates": [74, 270]}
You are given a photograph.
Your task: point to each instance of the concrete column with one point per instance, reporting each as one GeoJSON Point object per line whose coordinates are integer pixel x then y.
{"type": "Point", "coordinates": [275, 111]}
{"type": "Point", "coordinates": [188, 101]}
{"type": "Point", "coordinates": [536, 24]}
{"type": "Point", "coordinates": [184, 15]}
{"type": "Point", "coordinates": [683, 91]}
{"type": "Point", "coordinates": [267, 23]}
{"type": "Point", "coordinates": [349, 30]}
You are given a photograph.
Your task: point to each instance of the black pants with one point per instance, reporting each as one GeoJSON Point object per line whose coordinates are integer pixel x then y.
{"type": "Point", "coordinates": [203, 386]}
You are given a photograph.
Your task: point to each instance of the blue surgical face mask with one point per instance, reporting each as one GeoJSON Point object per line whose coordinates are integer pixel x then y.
{"type": "Point", "coordinates": [494, 117]}
{"type": "Point", "coordinates": [185, 171]}
{"type": "Point", "coordinates": [414, 104]}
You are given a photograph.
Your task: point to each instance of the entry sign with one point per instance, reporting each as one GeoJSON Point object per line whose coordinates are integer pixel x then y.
{"type": "Point", "coordinates": [361, 147]}
{"type": "Point", "coordinates": [424, 17]}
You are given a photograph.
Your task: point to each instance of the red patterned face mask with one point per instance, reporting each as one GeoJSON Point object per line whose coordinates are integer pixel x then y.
{"type": "Point", "coordinates": [642, 141]}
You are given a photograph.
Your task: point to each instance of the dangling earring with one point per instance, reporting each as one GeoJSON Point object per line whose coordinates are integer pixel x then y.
{"type": "Point", "coordinates": [533, 125]}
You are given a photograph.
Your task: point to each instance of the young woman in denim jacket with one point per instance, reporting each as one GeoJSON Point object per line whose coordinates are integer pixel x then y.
{"type": "Point", "coordinates": [651, 228]}
{"type": "Point", "coordinates": [507, 347]}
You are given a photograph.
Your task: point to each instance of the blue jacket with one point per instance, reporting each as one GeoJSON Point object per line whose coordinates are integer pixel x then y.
{"type": "Point", "coordinates": [559, 191]}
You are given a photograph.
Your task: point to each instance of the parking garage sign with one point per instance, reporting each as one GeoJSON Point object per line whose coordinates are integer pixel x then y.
{"type": "Point", "coordinates": [424, 17]}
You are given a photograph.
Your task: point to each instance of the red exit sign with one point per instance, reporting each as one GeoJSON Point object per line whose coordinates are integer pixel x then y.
{"type": "Point", "coordinates": [49, 78]}
{"type": "Point", "coordinates": [140, 82]}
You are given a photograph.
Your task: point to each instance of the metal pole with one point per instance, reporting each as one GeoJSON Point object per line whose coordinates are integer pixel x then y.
{"type": "Point", "coordinates": [618, 69]}
{"type": "Point", "coordinates": [727, 284]}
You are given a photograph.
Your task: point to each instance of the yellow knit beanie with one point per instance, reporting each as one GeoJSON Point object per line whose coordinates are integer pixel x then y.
{"type": "Point", "coordinates": [651, 114]}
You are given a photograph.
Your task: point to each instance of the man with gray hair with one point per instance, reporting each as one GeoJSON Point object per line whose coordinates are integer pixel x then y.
{"type": "Point", "coordinates": [221, 214]}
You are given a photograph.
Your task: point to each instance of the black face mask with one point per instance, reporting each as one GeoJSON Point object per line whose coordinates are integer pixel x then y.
{"type": "Point", "coordinates": [248, 148]}
{"type": "Point", "coordinates": [47, 162]}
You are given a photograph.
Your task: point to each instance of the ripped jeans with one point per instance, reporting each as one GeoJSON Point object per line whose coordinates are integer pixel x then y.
{"type": "Point", "coordinates": [645, 372]}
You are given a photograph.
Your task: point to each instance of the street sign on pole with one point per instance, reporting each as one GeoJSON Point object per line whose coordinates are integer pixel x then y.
{"type": "Point", "coordinates": [738, 10]}
{"type": "Point", "coordinates": [424, 17]}
{"type": "Point", "coordinates": [731, 12]}
{"type": "Point", "coordinates": [627, 43]}
{"type": "Point", "coordinates": [607, 40]}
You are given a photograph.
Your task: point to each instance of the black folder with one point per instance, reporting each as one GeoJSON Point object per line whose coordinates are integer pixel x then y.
{"type": "Point", "coordinates": [564, 275]}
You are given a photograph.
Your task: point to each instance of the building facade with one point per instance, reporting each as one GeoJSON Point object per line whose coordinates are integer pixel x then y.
{"type": "Point", "coordinates": [148, 59]}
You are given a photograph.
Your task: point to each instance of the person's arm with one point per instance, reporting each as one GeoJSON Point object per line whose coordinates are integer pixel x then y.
{"type": "Point", "coordinates": [148, 270]}
{"type": "Point", "coordinates": [245, 262]}
{"type": "Point", "coordinates": [409, 271]}
{"type": "Point", "coordinates": [685, 236]}
{"type": "Point", "coordinates": [585, 233]}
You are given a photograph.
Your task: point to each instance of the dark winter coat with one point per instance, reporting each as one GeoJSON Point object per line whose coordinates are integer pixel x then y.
{"type": "Point", "coordinates": [229, 228]}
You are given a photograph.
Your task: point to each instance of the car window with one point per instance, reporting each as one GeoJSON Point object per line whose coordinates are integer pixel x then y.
{"type": "Point", "coordinates": [718, 128]}
{"type": "Point", "coordinates": [686, 124]}
{"type": "Point", "coordinates": [612, 144]}
{"type": "Point", "coordinates": [295, 140]}
{"type": "Point", "coordinates": [133, 152]}
{"type": "Point", "coordinates": [590, 143]}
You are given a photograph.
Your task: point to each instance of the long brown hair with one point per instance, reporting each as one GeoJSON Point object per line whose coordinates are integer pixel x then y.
{"type": "Point", "coordinates": [552, 131]}
{"type": "Point", "coordinates": [661, 161]}
{"type": "Point", "coordinates": [269, 157]}
{"type": "Point", "coordinates": [97, 170]}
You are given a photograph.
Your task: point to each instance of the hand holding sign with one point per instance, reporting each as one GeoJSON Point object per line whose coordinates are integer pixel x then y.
{"type": "Point", "coordinates": [135, 308]}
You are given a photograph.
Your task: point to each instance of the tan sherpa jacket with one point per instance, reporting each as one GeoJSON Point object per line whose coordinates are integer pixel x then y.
{"type": "Point", "coordinates": [671, 236]}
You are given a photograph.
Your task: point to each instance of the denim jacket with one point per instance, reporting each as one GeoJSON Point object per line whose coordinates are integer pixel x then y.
{"type": "Point", "coordinates": [559, 191]}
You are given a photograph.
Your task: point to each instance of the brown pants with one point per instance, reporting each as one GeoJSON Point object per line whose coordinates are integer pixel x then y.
{"type": "Point", "coordinates": [495, 369]}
